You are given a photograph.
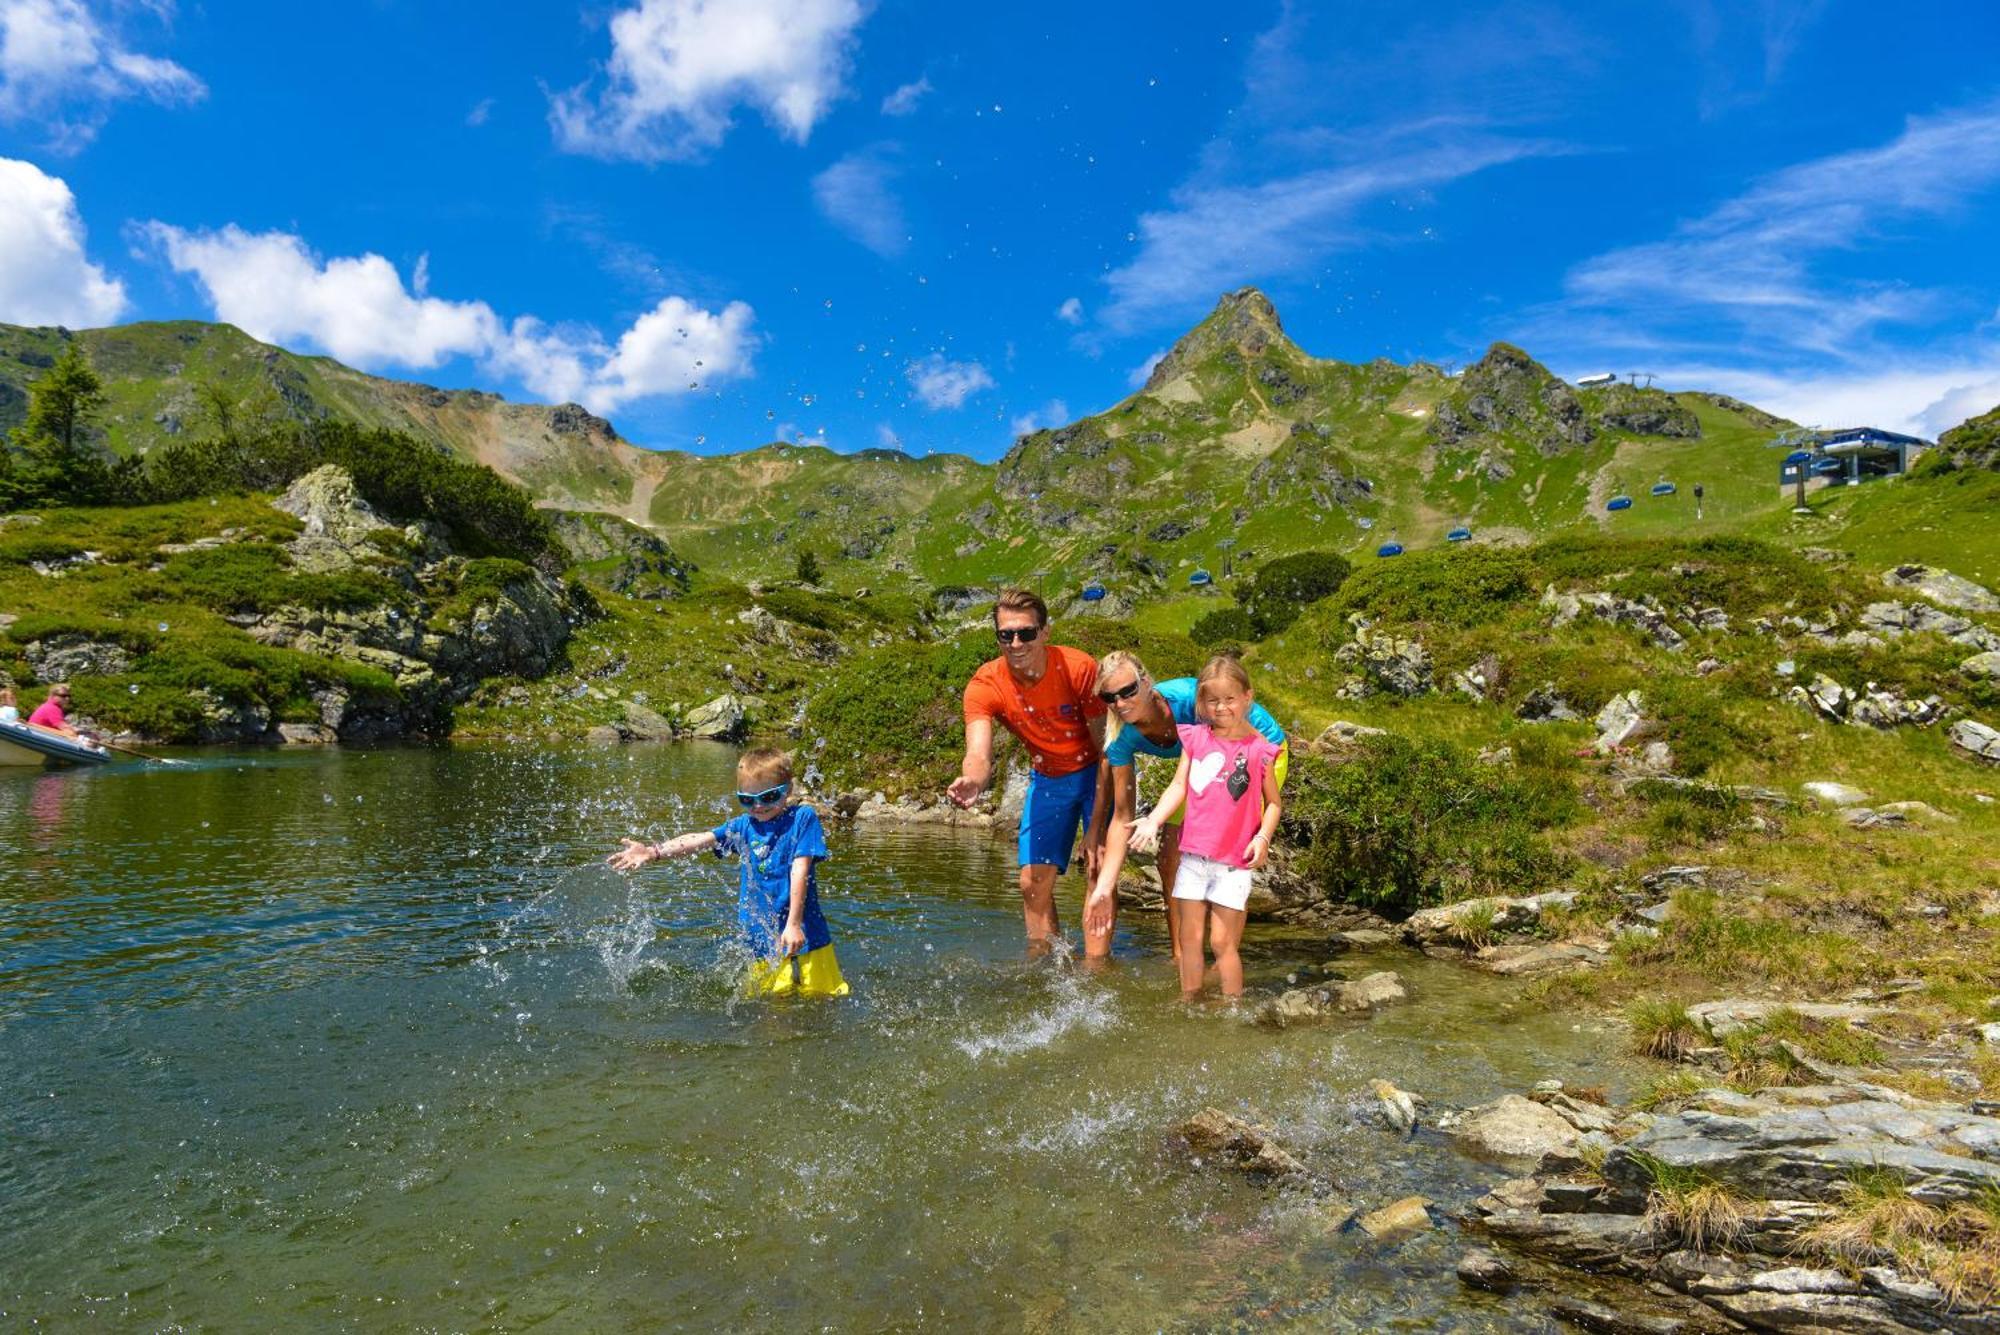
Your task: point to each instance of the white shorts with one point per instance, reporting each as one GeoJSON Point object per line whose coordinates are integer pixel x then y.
{"type": "Point", "coordinates": [1217, 882]}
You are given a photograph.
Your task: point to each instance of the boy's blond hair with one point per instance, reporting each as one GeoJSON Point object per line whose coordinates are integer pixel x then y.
{"type": "Point", "coordinates": [763, 767]}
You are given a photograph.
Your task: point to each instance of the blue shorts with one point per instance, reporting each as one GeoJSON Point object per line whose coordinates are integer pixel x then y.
{"type": "Point", "coordinates": [1050, 818]}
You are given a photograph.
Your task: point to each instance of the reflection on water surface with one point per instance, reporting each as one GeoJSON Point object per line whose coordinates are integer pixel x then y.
{"type": "Point", "coordinates": [369, 1038]}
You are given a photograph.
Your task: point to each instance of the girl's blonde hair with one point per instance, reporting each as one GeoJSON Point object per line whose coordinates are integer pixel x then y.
{"type": "Point", "coordinates": [1107, 667]}
{"type": "Point", "coordinates": [1222, 665]}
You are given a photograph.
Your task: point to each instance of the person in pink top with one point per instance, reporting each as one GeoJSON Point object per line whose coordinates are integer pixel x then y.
{"type": "Point", "coordinates": [1227, 776]}
{"type": "Point", "coordinates": [50, 712]}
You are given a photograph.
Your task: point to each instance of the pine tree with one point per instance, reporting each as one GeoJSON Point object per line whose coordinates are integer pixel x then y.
{"type": "Point", "coordinates": [808, 567]}
{"type": "Point", "coordinates": [57, 464]}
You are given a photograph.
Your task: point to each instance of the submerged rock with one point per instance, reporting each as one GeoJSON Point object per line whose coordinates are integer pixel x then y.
{"type": "Point", "coordinates": [1399, 1219]}
{"type": "Point", "coordinates": [1239, 1145]}
{"type": "Point", "coordinates": [1482, 1269]}
{"type": "Point", "coordinates": [1310, 1005]}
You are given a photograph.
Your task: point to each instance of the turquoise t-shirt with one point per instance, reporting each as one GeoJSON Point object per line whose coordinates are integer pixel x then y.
{"type": "Point", "coordinates": [1179, 695]}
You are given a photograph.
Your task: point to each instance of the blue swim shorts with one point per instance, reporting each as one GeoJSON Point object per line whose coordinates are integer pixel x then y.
{"type": "Point", "coordinates": [1050, 818]}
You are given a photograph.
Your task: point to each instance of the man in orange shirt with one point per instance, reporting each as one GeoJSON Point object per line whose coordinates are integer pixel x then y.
{"type": "Point", "coordinates": [1045, 694]}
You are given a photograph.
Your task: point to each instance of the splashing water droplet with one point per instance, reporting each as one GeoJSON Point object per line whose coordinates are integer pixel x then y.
{"type": "Point", "coordinates": [694, 384]}
{"type": "Point", "coordinates": [701, 440]}
{"type": "Point", "coordinates": [697, 363]}
{"type": "Point", "coordinates": [134, 688]}
{"type": "Point", "coordinates": [770, 416]}
{"type": "Point", "coordinates": [806, 399]}
{"type": "Point", "coordinates": [163, 628]}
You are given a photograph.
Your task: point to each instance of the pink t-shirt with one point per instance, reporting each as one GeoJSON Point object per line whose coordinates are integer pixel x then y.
{"type": "Point", "coordinates": [48, 714]}
{"type": "Point", "coordinates": [1225, 798]}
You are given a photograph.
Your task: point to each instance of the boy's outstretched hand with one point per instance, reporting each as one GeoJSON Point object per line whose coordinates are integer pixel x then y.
{"type": "Point", "coordinates": [634, 855]}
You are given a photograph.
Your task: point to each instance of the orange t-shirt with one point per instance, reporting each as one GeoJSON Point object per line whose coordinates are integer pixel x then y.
{"type": "Point", "coordinates": [1052, 717]}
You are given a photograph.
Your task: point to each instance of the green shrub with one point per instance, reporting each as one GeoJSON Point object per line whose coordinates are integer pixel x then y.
{"type": "Point", "coordinates": [1402, 824]}
{"type": "Point", "coordinates": [252, 577]}
{"type": "Point", "coordinates": [1281, 589]}
{"type": "Point", "coordinates": [481, 580]}
{"type": "Point", "coordinates": [1226, 627]}
{"type": "Point", "coordinates": [1455, 587]}
{"type": "Point", "coordinates": [894, 713]}
{"type": "Point", "coordinates": [1681, 814]}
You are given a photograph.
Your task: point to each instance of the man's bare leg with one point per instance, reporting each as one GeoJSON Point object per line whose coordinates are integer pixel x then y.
{"type": "Point", "coordinates": [1038, 903]}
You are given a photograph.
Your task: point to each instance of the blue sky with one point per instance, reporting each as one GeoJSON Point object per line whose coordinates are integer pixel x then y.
{"type": "Point", "coordinates": [936, 226]}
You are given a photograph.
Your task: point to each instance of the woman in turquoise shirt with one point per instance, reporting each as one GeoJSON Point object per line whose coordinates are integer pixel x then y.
{"type": "Point", "coordinates": [1146, 714]}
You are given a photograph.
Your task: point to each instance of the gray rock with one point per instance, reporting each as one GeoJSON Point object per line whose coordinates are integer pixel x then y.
{"type": "Point", "coordinates": [1722, 1018]}
{"type": "Point", "coordinates": [1921, 812]}
{"type": "Point", "coordinates": [1513, 1129]}
{"type": "Point", "coordinates": [1976, 740]}
{"type": "Point", "coordinates": [1387, 662]}
{"type": "Point", "coordinates": [1943, 588]}
{"type": "Point", "coordinates": [1868, 818]}
{"type": "Point", "coordinates": [1587, 1315]}
{"type": "Point", "coordinates": [1985, 665]}
{"type": "Point", "coordinates": [602, 733]}
{"type": "Point", "coordinates": [1668, 879]}
{"type": "Point", "coordinates": [306, 734]}
{"type": "Point", "coordinates": [1545, 705]}
{"type": "Point", "coordinates": [1794, 1297]}
{"type": "Point", "coordinates": [337, 521]}
{"type": "Point", "coordinates": [1618, 720]}
{"type": "Point", "coordinates": [67, 657]}
{"type": "Point", "coordinates": [1893, 619]}
{"type": "Point", "coordinates": [1310, 1005]}
{"type": "Point", "coordinates": [643, 724]}
{"type": "Point", "coordinates": [1623, 1244]}
{"type": "Point", "coordinates": [1523, 959]}
{"type": "Point", "coordinates": [723, 719]}
{"type": "Point", "coordinates": [1482, 1269]}
{"type": "Point", "coordinates": [1448, 923]}
{"type": "Point", "coordinates": [1626, 612]}
{"type": "Point", "coordinates": [1342, 733]}
{"type": "Point", "coordinates": [1399, 1106]}
{"type": "Point", "coordinates": [1834, 794]}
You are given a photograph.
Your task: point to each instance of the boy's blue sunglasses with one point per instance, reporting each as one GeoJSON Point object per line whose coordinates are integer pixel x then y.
{"type": "Point", "coordinates": [765, 798]}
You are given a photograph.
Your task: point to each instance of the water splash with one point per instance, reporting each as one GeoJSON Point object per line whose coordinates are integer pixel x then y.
{"type": "Point", "coordinates": [1075, 1007]}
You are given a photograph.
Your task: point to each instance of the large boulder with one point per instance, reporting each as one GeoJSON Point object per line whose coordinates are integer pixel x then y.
{"type": "Point", "coordinates": [1976, 740]}
{"type": "Point", "coordinates": [1387, 662]}
{"type": "Point", "coordinates": [1943, 588]}
{"type": "Point", "coordinates": [724, 719]}
{"type": "Point", "coordinates": [66, 657]}
{"type": "Point", "coordinates": [337, 520]}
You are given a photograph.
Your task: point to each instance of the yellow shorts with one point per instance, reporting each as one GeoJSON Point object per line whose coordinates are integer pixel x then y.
{"type": "Point", "coordinates": [817, 975]}
{"type": "Point", "coordinates": [1280, 767]}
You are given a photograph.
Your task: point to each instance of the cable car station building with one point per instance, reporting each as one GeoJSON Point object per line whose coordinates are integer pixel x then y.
{"type": "Point", "coordinates": [1850, 456]}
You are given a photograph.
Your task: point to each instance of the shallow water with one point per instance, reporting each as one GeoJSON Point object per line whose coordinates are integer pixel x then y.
{"type": "Point", "coordinates": [368, 1039]}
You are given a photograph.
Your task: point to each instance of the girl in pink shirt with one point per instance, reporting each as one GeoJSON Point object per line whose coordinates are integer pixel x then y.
{"type": "Point", "coordinates": [1226, 778]}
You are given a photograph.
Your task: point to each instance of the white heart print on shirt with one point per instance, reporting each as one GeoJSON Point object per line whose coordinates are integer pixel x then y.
{"type": "Point", "coordinates": [1202, 773]}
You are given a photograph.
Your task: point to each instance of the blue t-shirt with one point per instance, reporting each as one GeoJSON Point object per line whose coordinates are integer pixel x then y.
{"type": "Point", "coordinates": [768, 849]}
{"type": "Point", "coordinates": [1179, 695]}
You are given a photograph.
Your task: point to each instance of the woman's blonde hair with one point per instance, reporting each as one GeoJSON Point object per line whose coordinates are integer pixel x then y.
{"type": "Point", "coordinates": [1112, 663]}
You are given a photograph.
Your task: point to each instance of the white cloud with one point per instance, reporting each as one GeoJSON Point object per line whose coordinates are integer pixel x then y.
{"type": "Point", "coordinates": [904, 100]}
{"type": "Point", "coordinates": [1905, 395]}
{"type": "Point", "coordinates": [1143, 372]}
{"type": "Point", "coordinates": [273, 287]}
{"type": "Point", "coordinates": [46, 278]}
{"type": "Point", "coordinates": [855, 195]}
{"type": "Point", "coordinates": [946, 384]}
{"type": "Point", "coordinates": [481, 112]}
{"type": "Point", "coordinates": [1053, 413]}
{"type": "Point", "coordinates": [680, 68]}
{"type": "Point", "coordinates": [1746, 268]}
{"type": "Point", "coordinates": [1221, 236]}
{"type": "Point", "coordinates": [62, 69]}
{"type": "Point", "coordinates": [1071, 311]}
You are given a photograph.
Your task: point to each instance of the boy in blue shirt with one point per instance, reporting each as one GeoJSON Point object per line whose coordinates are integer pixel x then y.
{"type": "Point", "coordinates": [777, 903]}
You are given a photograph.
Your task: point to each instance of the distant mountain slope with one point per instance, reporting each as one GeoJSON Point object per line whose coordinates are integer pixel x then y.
{"type": "Point", "coordinates": [1239, 446]}
{"type": "Point", "coordinates": [154, 374]}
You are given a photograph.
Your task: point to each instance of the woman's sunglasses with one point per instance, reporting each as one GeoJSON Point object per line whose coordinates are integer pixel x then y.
{"type": "Point", "coordinates": [765, 798]}
{"type": "Point", "coordinates": [1009, 634]}
{"type": "Point", "coordinates": [1125, 692]}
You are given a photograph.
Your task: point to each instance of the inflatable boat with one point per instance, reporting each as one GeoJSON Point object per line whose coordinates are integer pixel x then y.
{"type": "Point", "coordinates": [24, 744]}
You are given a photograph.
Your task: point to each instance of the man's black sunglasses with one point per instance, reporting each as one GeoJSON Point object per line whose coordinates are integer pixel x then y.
{"type": "Point", "coordinates": [1122, 693]}
{"type": "Point", "coordinates": [765, 798]}
{"type": "Point", "coordinates": [1009, 634]}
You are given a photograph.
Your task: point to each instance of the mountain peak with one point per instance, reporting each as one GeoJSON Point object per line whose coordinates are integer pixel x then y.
{"type": "Point", "coordinates": [1243, 321]}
